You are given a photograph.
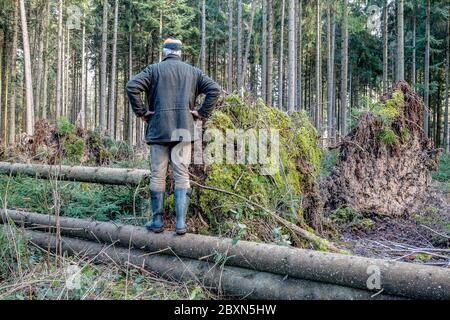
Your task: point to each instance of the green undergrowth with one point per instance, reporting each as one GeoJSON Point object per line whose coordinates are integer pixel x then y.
{"type": "Point", "coordinates": [14, 253]}
{"type": "Point", "coordinates": [74, 278]}
{"type": "Point", "coordinates": [78, 200]}
{"type": "Point", "coordinates": [329, 159]}
{"type": "Point", "coordinates": [350, 218]}
{"type": "Point", "coordinates": [281, 192]}
{"type": "Point", "coordinates": [443, 173]}
{"type": "Point", "coordinates": [387, 113]}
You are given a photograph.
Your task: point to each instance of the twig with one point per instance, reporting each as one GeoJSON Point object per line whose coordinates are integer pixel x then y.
{"type": "Point", "coordinates": [436, 232]}
{"type": "Point", "coordinates": [318, 241]}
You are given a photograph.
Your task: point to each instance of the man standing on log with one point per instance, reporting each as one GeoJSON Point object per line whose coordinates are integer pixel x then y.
{"type": "Point", "coordinates": [171, 89]}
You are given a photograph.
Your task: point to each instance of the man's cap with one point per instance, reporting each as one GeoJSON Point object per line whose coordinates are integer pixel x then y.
{"type": "Point", "coordinates": [172, 43]}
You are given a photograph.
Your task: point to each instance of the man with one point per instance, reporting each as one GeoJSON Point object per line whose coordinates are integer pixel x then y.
{"type": "Point", "coordinates": [171, 89]}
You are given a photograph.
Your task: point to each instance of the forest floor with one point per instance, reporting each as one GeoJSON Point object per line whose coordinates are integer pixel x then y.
{"type": "Point", "coordinates": [29, 273]}
{"type": "Point", "coordinates": [423, 237]}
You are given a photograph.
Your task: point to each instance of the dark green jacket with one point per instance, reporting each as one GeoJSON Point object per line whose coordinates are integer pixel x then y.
{"type": "Point", "coordinates": [171, 89]}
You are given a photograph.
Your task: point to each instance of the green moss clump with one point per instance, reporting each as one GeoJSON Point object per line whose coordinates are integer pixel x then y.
{"type": "Point", "coordinates": [352, 219]}
{"type": "Point", "coordinates": [72, 146]}
{"type": "Point", "coordinates": [282, 192]}
{"type": "Point", "coordinates": [387, 136]}
{"type": "Point", "coordinates": [388, 112]}
{"type": "Point", "coordinates": [64, 127]}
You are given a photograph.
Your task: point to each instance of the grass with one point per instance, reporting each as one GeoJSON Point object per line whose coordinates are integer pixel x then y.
{"type": "Point", "coordinates": [28, 273]}
{"type": "Point", "coordinates": [78, 200]}
{"type": "Point", "coordinates": [443, 173]}
{"type": "Point", "coordinates": [328, 161]}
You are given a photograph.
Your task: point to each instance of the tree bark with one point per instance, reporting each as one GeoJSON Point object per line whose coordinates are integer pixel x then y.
{"type": "Point", "coordinates": [270, 24]}
{"type": "Point", "coordinates": [230, 48]}
{"type": "Point", "coordinates": [103, 79]}
{"type": "Point", "coordinates": [281, 58]}
{"type": "Point", "coordinates": [447, 76]}
{"type": "Point", "coordinates": [247, 46]}
{"type": "Point", "coordinates": [225, 280]}
{"type": "Point", "coordinates": [264, 52]}
{"type": "Point", "coordinates": [400, 41]}
{"type": "Point", "coordinates": [427, 70]}
{"type": "Point", "coordinates": [385, 45]}
{"type": "Point", "coordinates": [12, 103]}
{"type": "Point", "coordinates": [131, 120]}
{"type": "Point", "coordinates": [330, 75]}
{"type": "Point", "coordinates": [239, 45]}
{"type": "Point", "coordinates": [318, 100]}
{"type": "Point", "coordinates": [344, 71]}
{"type": "Point", "coordinates": [398, 278]}
{"type": "Point", "coordinates": [112, 93]}
{"type": "Point", "coordinates": [60, 62]}
{"type": "Point", "coordinates": [40, 57]}
{"type": "Point", "coordinates": [203, 44]}
{"type": "Point", "coordinates": [292, 63]}
{"type": "Point", "coordinates": [300, 55]}
{"type": "Point", "coordinates": [76, 173]}
{"type": "Point", "coordinates": [82, 114]}
{"type": "Point", "coordinates": [27, 71]}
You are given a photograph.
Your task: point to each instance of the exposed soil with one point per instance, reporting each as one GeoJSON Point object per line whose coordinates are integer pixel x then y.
{"type": "Point", "coordinates": [420, 238]}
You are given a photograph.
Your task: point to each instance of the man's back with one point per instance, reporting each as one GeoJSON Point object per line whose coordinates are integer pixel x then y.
{"type": "Point", "coordinates": [172, 87]}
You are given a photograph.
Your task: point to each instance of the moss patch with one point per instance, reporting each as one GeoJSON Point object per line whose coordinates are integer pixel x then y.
{"type": "Point", "coordinates": [289, 191]}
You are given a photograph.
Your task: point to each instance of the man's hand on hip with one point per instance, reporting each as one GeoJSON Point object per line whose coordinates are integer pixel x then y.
{"type": "Point", "coordinates": [195, 114]}
{"type": "Point", "coordinates": [146, 117]}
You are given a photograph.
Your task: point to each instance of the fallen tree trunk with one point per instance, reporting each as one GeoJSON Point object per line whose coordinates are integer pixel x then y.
{"type": "Point", "coordinates": [115, 176]}
{"type": "Point", "coordinates": [397, 278]}
{"type": "Point", "coordinates": [118, 176]}
{"type": "Point", "coordinates": [227, 281]}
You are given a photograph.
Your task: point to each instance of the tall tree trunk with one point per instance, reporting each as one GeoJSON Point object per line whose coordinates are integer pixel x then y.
{"type": "Point", "coordinates": [82, 114]}
{"type": "Point", "coordinates": [112, 94]}
{"type": "Point", "coordinates": [3, 111]}
{"type": "Point", "coordinates": [270, 14]}
{"type": "Point", "coordinates": [427, 69]}
{"type": "Point", "coordinates": [299, 55]}
{"type": "Point", "coordinates": [5, 58]}
{"type": "Point", "coordinates": [43, 92]}
{"type": "Point", "coordinates": [27, 65]}
{"type": "Point", "coordinates": [60, 62]}
{"type": "Point", "coordinates": [247, 46]}
{"type": "Point", "coordinates": [103, 80]}
{"type": "Point", "coordinates": [318, 104]}
{"type": "Point", "coordinates": [264, 52]}
{"type": "Point", "coordinates": [230, 48]}
{"type": "Point", "coordinates": [239, 44]}
{"type": "Point", "coordinates": [40, 58]}
{"type": "Point", "coordinates": [385, 44]}
{"type": "Point", "coordinates": [447, 76]}
{"type": "Point", "coordinates": [281, 58]}
{"type": "Point", "coordinates": [203, 44]}
{"type": "Point", "coordinates": [414, 27]}
{"type": "Point", "coordinates": [400, 41]}
{"type": "Point", "coordinates": [131, 121]}
{"type": "Point", "coordinates": [292, 44]}
{"type": "Point", "coordinates": [11, 112]}
{"type": "Point", "coordinates": [330, 73]}
{"type": "Point", "coordinates": [344, 71]}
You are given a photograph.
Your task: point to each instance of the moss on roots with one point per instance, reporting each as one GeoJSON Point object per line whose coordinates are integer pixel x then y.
{"type": "Point", "coordinates": [291, 191]}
